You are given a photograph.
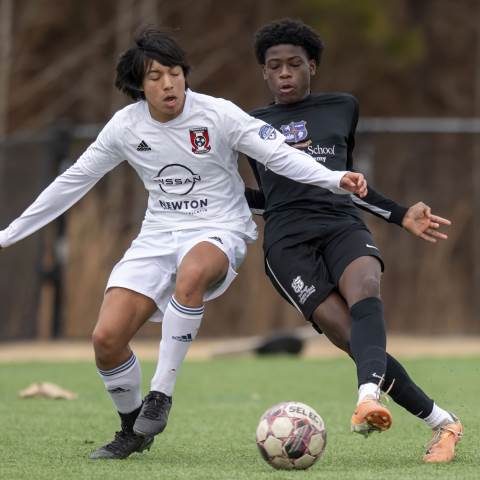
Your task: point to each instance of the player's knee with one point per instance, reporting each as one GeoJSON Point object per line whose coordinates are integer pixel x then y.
{"type": "Point", "coordinates": [191, 285]}
{"type": "Point", "coordinates": [104, 344]}
{"type": "Point", "coordinates": [367, 288]}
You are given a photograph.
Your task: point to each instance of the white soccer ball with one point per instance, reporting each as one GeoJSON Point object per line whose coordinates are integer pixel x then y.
{"type": "Point", "coordinates": [291, 435]}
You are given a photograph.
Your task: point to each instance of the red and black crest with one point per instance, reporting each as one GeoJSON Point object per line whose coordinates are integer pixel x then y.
{"type": "Point", "coordinates": [200, 140]}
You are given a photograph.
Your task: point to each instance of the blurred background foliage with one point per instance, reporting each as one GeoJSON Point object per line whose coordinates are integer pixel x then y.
{"type": "Point", "coordinates": [399, 57]}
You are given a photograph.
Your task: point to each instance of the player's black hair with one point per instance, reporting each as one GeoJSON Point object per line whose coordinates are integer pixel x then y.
{"type": "Point", "coordinates": [149, 44]}
{"type": "Point", "coordinates": [288, 31]}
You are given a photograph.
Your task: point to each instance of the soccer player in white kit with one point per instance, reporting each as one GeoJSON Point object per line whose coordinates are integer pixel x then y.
{"type": "Point", "coordinates": [184, 146]}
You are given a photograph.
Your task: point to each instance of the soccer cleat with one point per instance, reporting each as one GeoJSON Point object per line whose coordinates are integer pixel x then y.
{"type": "Point", "coordinates": [441, 448]}
{"type": "Point", "coordinates": [124, 444]}
{"type": "Point", "coordinates": [370, 416]}
{"type": "Point", "coordinates": [153, 416]}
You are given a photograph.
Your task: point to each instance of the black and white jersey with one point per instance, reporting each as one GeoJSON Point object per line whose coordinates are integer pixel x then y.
{"type": "Point", "coordinates": [322, 125]}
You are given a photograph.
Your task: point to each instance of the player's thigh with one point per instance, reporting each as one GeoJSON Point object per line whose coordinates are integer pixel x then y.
{"type": "Point", "coordinates": [332, 318]}
{"type": "Point", "coordinates": [209, 255]}
{"type": "Point", "coordinates": [299, 274]}
{"type": "Point", "coordinates": [345, 256]}
{"type": "Point", "coordinates": [204, 264]}
{"type": "Point", "coordinates": [122, 313]}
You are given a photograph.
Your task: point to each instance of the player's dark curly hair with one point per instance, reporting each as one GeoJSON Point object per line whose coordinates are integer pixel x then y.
{"type": "Point", "coordinates": [288, 31]}
{"type": "Point", "coordinates": [150, 44]}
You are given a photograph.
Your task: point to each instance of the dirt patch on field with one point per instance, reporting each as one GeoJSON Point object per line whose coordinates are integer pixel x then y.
{"type": "Point", "coordinates": [316, 347]}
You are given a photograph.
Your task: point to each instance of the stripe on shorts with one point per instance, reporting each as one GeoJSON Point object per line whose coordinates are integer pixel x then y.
{"type": "Point", "coordinates": [283, 289]}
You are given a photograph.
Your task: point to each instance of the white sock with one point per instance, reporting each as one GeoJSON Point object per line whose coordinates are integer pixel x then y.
{"type": "Point", "coordinates": [437, 417]}
{"type": "Point", "coordinates": [368, 390]}
{"type": "Point", "coordinates": [124, 385]}
{"type": "Point", "coordinates": [179, 328]}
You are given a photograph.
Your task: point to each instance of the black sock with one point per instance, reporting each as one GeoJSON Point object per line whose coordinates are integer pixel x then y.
{"type": "Point", "coordinates": [128, 419]}
{"type": "Point", "coordinates": [368, 340]}
{"type": "Point", "coordinates": [404, 391]}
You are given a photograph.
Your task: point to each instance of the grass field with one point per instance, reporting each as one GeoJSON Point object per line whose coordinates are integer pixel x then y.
{"type": "Point", "coordinates": [212, 424]}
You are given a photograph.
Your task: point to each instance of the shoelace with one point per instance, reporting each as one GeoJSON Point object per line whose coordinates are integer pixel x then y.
{"type": "Point", "coordinates": [154, 404]}
{"type": "Point", "coordinates": [383, 396]}
{"type": "Point", "coordinates": [438, 435]}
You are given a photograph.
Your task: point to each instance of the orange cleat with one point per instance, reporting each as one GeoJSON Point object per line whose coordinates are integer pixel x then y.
{"type": "Point", "coordinates": [370, 416]}
{"type": "Point", "coordinates": [441, 449]}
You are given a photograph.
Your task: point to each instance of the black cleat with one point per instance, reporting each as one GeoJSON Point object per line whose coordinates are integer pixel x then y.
{"type": "Point", "coordinates": [153, 416]}
{"type": "Point", "coordinates": [125, 441]}
{"type": "Point", "coordinates": [124, 444]}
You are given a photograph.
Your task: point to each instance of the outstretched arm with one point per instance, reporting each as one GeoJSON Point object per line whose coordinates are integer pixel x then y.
{"type": "Point", "coordinates": [100, 157]}
{"type": "Point", "coordinates": [261, 141]}
{"type": "Point", "coordinates": [301, 167]}
{"type": "Point", "coordinates": [58, 197]}
{"type": "Point", "coordinates": [418, 219]}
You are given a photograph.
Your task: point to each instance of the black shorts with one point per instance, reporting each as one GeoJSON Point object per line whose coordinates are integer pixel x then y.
{"type": "Point", "coordinates": [305, 273]}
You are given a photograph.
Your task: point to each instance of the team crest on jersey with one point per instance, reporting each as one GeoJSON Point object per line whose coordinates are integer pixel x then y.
{"type": "Point", "coordinates": [200, 140]}
{"type": "Point", "coordinates": [267, 132]}
{"type": "Point", "coordinates": [295, 131]}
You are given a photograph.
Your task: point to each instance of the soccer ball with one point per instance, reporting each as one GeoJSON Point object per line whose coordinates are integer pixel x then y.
{"type": "Point", "coordinates": [291, 435]}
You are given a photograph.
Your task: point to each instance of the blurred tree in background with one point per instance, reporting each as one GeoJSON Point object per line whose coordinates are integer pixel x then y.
{"type": "Point", "coordinates": [400, 57]}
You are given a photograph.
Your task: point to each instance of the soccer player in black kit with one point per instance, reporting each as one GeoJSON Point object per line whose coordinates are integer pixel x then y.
{"type": "Point", "coordinates": [319, 254]}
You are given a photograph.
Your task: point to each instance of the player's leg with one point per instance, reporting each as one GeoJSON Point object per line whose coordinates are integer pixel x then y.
{"type": "Point", "coordinates": [355, 266]}
{"type": "Point", "coordinates": [332, 317]}
{"type": "Point", "coordinates": [203, 268]}
{"type": "Point", "coordinates": [360, 286]}
{"type": "Point", "coordinates": [122, 313]}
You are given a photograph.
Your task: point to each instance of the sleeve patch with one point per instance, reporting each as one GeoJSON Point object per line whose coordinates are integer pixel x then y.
{"type": "Point", "coordinates": [267, 132]}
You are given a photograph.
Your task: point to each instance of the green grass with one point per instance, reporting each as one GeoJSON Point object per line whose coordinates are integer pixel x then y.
{"type": "Point", "coordinates": [212, 424]}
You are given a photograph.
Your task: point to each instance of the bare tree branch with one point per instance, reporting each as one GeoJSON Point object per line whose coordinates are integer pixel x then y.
{"type": "Point", "coordinates": [6, 11]}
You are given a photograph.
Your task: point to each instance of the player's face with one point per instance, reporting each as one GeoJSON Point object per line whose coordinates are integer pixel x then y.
{"type": "Point", "coordinates": [164, 89]}
{"type": "Point", "coordinates": [288, 72]}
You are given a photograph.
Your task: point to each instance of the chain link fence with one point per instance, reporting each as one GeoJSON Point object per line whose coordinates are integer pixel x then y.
{"type": "Point", "coordinates": [51, 284]}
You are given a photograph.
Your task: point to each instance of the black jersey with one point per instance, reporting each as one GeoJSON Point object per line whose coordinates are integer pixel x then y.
{"type": "Point", "coordinates": [322, 125]}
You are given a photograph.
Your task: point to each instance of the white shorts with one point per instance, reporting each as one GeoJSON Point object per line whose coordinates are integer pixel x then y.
{"type": "Point", "coordinates": [150, 265]}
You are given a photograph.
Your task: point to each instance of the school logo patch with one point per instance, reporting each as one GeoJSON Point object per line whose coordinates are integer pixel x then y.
{"type": "Point", "coordinates": [267, 132]}
{"type": "Point", "coordinates": [295, 131]}
{"type": "Point", "coordinates": [303, 291]}
{"type": "Point", "coordinates": [200, 140]}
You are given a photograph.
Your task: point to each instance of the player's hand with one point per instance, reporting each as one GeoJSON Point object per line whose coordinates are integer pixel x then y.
{"type": "Point", "coordinates": [354, 183]}
{"type": "Point", "coordinates": [420, 222]}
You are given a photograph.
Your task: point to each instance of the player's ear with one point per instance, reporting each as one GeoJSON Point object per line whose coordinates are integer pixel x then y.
{"type": "Point", "coordinates": [312, 66]}
{"type": "Point", "coordinates": [264, 71]}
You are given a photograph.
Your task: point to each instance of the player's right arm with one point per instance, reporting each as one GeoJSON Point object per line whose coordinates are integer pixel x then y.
{"type": "Point", "coordinates": [67, 188]}
{"type": "Point", "coordinates": [255, 197]}
{"type": "Point", "coordinates": [267, 146]}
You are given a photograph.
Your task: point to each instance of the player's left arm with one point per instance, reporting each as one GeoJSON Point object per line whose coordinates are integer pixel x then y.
{"type": "Point", "coordinates": [418, 219]}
